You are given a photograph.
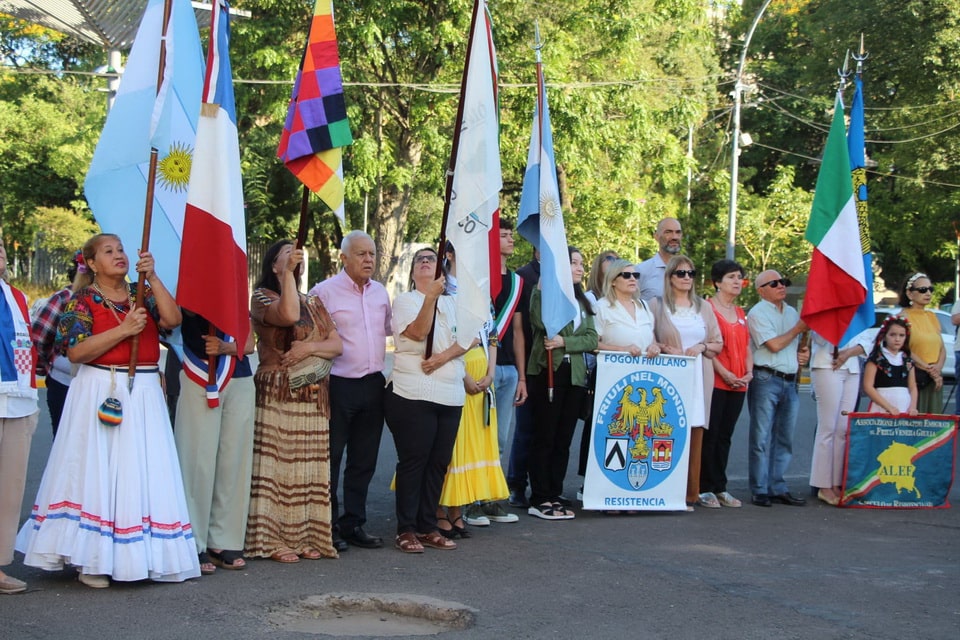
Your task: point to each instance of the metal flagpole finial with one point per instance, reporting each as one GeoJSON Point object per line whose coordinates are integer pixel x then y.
{"type": "Point", "coordinates": [845, 72]}
{"type": "Point", "coordinates": [538, 43]}
{"type": "Point", "coordinates": [861, 56]}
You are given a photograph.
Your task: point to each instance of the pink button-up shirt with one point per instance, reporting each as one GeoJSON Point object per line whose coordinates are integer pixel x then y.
{"type": "Point", "coordinates": [363, 317]}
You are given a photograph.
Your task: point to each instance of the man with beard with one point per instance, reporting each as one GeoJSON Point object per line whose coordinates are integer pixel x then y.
{"type": "Point", "coordinates": [668, 236]}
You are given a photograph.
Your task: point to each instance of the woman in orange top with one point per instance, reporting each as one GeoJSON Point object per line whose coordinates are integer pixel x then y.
{"type": "Point", "coordinates": [732, 372]}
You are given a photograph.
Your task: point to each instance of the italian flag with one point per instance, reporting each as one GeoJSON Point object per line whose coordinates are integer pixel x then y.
{"type": "Point", "coordinates": [836, 285]}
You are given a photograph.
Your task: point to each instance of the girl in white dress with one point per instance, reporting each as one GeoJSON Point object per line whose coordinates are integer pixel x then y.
{"type": "Point", "coordinates": [888, 377]}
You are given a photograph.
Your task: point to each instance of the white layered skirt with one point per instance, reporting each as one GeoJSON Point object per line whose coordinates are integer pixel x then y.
{"type": "Point", "coordinates": [111, 501]}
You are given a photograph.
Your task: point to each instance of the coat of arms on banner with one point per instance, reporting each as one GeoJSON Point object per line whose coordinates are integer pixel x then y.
{"type": "Point", "coordinates": [638, 431]}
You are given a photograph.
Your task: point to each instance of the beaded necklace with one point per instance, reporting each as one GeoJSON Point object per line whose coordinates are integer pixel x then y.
{"type": "Point", "coordinates": [117, 309]}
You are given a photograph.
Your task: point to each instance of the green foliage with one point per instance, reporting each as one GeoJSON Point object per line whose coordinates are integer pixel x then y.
{"type": "Point", "coordinates": [628, 82]}
{"type": "Point", "coordinates": [62, 230]}
{"type": "Point", "coordinates": [48, 130]}
{"type": "Point", "coordinates": [912, 88]}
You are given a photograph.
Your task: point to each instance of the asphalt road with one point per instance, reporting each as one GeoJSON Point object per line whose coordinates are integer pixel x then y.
{"type": "Point", "coordinates": [781, 572]}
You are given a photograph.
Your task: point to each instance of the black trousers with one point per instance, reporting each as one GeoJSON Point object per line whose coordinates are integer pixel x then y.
{"type": "Point", "coordinates": [356, 425]}
{"type": "Point", "coordinates": [553, 427]}
{"type": "Point", "coordinates": [725, 410]}
{"type": "Point", "coordinates": [56, 396]}
{"type": "Point", "coordinates": [424, 434]}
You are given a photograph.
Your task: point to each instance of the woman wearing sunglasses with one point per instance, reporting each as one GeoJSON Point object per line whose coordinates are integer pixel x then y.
{"type": "Point", "coordinates": [685, 326]}
{"type": "Point", "coordinates": [926, 343]}
{"type": "Point", "coordinates": [424, 402]}
{"type": "Point", "coordinates": [624, 322]}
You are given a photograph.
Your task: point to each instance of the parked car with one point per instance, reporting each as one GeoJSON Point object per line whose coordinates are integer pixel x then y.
{"type": "Point", "coordinates": [947, 332]}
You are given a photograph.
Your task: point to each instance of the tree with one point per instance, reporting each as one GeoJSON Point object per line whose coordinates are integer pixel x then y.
{"type": "Point", "coordinates": [627, 80]}
{"type": "Point", "coordinates": [912, 80]}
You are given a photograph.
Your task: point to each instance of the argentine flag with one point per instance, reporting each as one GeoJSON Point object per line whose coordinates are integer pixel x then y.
{"type": "Point", "coordinates": [541, 221]}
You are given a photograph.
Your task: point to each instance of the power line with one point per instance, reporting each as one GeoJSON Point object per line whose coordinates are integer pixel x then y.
{"type": "Point", "coordinates": [897, 176]}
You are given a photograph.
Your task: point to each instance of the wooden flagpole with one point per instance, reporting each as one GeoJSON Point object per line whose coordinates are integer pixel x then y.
{"type": "Point", "coordinates": [538, 45]}
{"type": "Point", "coordinates": [148, 205]}
{"type": "Point", "coordinates": [451, 168]}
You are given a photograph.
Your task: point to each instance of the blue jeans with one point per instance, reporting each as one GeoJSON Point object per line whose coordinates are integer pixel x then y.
{"type": "Point", "coordinates": [505, 386]}
{"type": "Point", "coordinates": [519, 462]}
{"type": "Point", "coordinates": [773, 404]}
{"type": "Point", "coordinates": [956, 359]}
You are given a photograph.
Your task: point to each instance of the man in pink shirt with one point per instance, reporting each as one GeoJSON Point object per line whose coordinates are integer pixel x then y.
{"type": "Point", "coordinates": [361, 309]}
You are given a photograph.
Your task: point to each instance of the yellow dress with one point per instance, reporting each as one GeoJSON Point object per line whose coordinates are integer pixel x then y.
{"type": "Point", "coordinates": [474, 474]}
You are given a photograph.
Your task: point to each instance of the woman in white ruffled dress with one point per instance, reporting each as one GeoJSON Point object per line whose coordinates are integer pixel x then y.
{"type": "Point", "coordinates": [111, 501]}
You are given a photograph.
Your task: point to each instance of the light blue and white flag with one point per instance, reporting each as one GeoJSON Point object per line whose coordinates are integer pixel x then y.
{"type": "Point", "coordinates": [541, 221]}
{"type": "Point", "coordinates": [141, 117]}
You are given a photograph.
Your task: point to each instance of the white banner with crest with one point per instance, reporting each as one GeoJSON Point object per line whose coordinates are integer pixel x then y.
{"type": "Point", "coordinates": [641, 433]}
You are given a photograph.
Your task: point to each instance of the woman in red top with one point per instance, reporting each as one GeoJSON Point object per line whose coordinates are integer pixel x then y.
{"type": "Point", "coordinates": [111, 501]}
{"type": "Point", "coordinates": [733, 370]}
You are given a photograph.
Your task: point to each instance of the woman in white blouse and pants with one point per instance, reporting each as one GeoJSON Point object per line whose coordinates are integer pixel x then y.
{"type": "Point", "coordinates": [836, 382]}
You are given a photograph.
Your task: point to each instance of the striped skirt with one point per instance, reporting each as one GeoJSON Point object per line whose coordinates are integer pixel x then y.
{"type": "Point", "coordinates": [290, 492]}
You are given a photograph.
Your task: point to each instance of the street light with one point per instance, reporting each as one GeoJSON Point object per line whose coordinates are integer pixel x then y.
{"type": "Point", "coordinates": [735, 153]}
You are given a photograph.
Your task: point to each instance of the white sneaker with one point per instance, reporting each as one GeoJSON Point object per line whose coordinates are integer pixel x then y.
{"type": "Point", "coordinates": [474, 516]}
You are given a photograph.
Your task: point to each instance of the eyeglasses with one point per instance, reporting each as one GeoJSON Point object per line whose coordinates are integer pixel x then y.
{"type": "Point", "coordinates": [684, 273]}
{"type": "Point", "coordinates": [626, 275]}
{"type": "Point", "coordinates": [425, 257]}
{"type": "Point", "coordinates": [773, 284]}
{"type": "Point", "coordinates": [922, 289]}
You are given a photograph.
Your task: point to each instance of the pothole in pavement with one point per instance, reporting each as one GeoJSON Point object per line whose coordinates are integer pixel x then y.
{"type": "Point", "coordinates": [365, 614]}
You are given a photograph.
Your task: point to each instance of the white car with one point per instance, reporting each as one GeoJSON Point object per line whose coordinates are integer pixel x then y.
{"type": "Point", "coordinates": [947, 332]}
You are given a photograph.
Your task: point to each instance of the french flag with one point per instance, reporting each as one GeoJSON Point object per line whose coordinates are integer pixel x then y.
{"type": "Point", "coordinates": [213, 258]}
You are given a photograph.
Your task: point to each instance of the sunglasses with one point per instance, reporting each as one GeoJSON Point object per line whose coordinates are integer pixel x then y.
{"type": "Point", "coordinates": [773, 284]}
{"type": "Point", "coordinates": [922, 289]}
{"type": "Point", "coordinates": [626, 275]}
{"type": "Point", "coordinates": [684, 273]}
{"type": "Point", "coordinates": [609, 258]}
{"type": "Point", "coordinates": [425, 257]}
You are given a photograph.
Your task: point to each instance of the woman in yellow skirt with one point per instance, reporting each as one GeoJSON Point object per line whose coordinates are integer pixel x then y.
{"type": "Point", "coordinates": [474, 474]}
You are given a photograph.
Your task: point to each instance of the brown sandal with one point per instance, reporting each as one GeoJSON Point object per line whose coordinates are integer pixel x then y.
{"type": "Point", "coordinates": [408, 543]}
{"type": "Point", "coordinates": [285, 555]}
{"type": "Point", "coordinates": [436, 541]}
{"type": "Point", "coordinates": [311, 554]}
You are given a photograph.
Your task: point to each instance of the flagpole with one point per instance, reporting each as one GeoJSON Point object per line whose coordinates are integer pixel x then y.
{"type": "Point", "coordinates": [148, 205]}
{"type": "Point", "coordinates": [451, 168]}
{"type": "Point", "coordinates": [538, 45]}
{"type": "Point", "coordinates": [302, 229]}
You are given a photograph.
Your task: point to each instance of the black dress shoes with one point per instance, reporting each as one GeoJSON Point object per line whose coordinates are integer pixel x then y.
{"type": "Point", "coordinates": [339, 543]}
{"type": "Point", "coordinates": [761, 500]}
{"type": "Point", "coordinates": [518, 500]}
{"type": "Point", "coordinates": [788, 498]}
{"type": "Point", "coordinates": [360, 538]}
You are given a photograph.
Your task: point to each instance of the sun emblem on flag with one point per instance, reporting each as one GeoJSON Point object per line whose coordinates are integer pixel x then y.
{"type": "Point", "coordinates": [174, 169]}
{"type": "Point", "coordinates": [550, 206]}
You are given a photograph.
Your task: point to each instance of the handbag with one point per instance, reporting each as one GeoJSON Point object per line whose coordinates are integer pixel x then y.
{"type": "Point", "coordinates": [310, 370]}
{"type": "Point", "coordinates": [922, 377]}
{"type": "Point", "coordinates": [110, 411]}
